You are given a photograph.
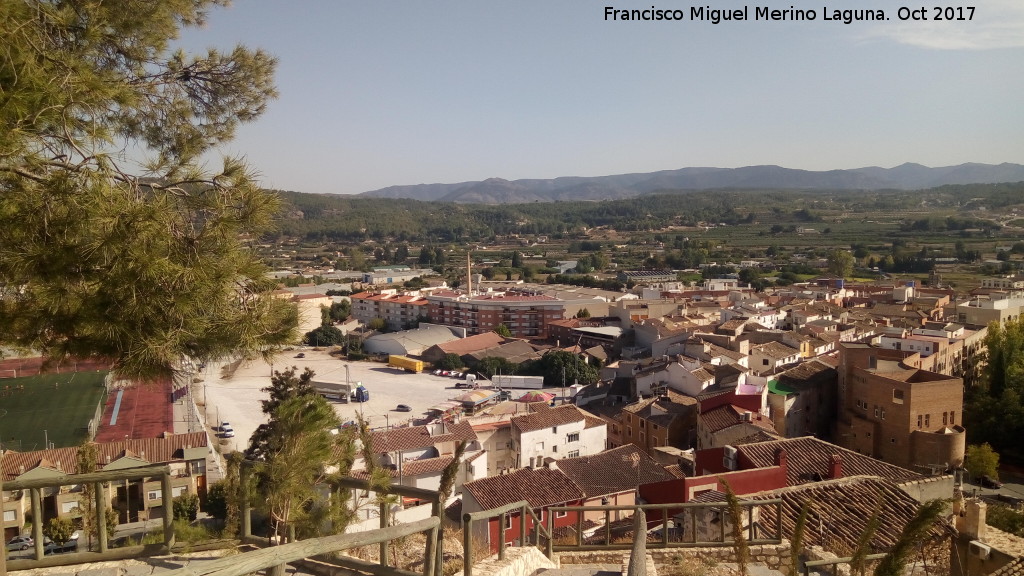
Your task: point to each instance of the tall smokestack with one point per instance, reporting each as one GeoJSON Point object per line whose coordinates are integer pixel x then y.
{"type": "Point", "coordinates": [469, 275]}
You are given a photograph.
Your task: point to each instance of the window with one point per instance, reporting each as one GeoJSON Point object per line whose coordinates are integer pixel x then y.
{"type": "Point", "coordinates": [156, 494]}
{"type": "Point", "coordinates": [574, 454]}
{"type": "Point", "coordinates": [10, 516]}
{"type": "Point", "coordinates": [927, 420]}
{"type": "Point", "coordinates": [68, 507]}
{"type": "Point", "coordinates": [178, 490]}
{"type": "Point", "coordinates": [561, 513]}
{"type": "Point", "coordinates": [919, 420]}
{"type": "Point", "coordinates": [952, 419]}
{"type": "Point", "coordinates": [573, 437]}
{"type": "Point", "coordinates": [629, 431]}
{"type": "Point", "coordinates": [764, 362]}
{"type": "Point", "coordinates": [554, 448]}
{"type": "Point", "coordinates": [554, 429]}
{"type": "Point", "coordinates": [897, 396]}
{"type": "Point", "coordinates": [944, 417]}
{"type": "Point", "coordinates": [876, 411]}
{"type": "Point", "coordinates": [508, 521]}
{"type": "Point", "coordinates": [883, 413]}
{"type": "Point", "coordinates": [643, 423]}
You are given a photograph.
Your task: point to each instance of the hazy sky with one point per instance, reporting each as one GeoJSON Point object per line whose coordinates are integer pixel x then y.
{"type": "Point", "coordinates": [376, 93]}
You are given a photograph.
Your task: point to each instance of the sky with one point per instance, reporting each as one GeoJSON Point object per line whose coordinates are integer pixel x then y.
{"type": "Point", "coordinates": [394, 92]}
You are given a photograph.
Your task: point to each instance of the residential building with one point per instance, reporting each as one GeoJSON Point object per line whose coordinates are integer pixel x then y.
{"type": "Point", "coordinates": [669, 419]}
{"type": "Point", "coordinates": [399, 311]}
{"type": "Point", "coordinates": [525, 314]}
{"type": "Point", "coordinates": [561, 432]}
{"type": "Point", "coordinates": [893, 410]}
{"type": "Point", "coordinates": [188, 456]}
{"type": "Point", "coordinates": [802, 400]}
{"type": "Point", "coordinates": [541, 488]}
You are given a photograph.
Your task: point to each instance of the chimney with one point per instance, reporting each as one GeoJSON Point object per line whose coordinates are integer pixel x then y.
{"type": "Point", "coordinates": [781, 458]}
{"type": "Point", "coordinates": [974, 526]}
{"type": "Point", "coordinates": [835, 467]}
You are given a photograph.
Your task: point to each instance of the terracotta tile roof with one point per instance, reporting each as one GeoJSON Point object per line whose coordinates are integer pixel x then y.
{"type": "Point", "coordinates": [728, 415]}
{"type": "Point", "coordinates": [419, 437]}
{"type": "Point", "coordinates": [809, 373]}
{"type": "Point", "coordinates": [472, 343]}
{"type": "Point", "coordinates": [775, 349]}
{"type": "Point", "coordinates": [1014, 568]}
{"type": "Point", "coordinates": [808, 456]}
{"type": "Point", "coordinates": [558, 416]}
{"type": "Point", "coordinates": [759, 436]}
{"type": "Point", "coordinates": [621, 469]}
{"type": "Point", "coordinates": [840, 510]}
{"type": "Point", "coordinates": [675, 471]}
{"type": "Point", "coordinates": [153, 450]}
{"type": "Point", "coordinates": [414, 468]}
{"type": "Point", "coordinates": [540, 487]}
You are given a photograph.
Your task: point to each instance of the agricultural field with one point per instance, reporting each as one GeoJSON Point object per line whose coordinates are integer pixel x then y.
{"type": "Point", "coordinates": [60, 404]}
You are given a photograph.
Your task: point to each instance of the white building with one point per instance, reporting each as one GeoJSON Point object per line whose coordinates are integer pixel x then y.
{"type": "Point", "coordinates": [554, 433]}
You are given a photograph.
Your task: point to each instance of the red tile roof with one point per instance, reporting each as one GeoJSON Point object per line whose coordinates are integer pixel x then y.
{"type": "Point", "coordinates": [809, 458]}
{"type": "Point", "coordinates": [540, 487]}
{"type": "Point", "coordinates": [153, 450]}
{"type": "Point", "coordinates": [558, 416]}
{"type": "Point", "coordinates": [419, 437]}
{"type": "Point", "coordinates": [621, 469]}
{"type": "Point", "coordinates": [728, 415]}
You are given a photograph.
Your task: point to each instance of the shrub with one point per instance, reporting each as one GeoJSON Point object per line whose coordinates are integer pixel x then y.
{"type": "Point", "coordinates": [186, 506]}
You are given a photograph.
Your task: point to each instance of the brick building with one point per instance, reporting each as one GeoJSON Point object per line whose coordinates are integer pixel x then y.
{"type": "Point", "coordinates": [893, 410]}
{"type": "Point", "coordinates": [526, 315]}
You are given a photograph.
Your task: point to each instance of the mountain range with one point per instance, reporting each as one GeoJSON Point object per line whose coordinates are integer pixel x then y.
{"type": "Point", "coordinates": [907, 176]}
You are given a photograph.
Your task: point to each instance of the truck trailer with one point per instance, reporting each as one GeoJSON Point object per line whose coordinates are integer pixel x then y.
{"type": "Point", "coordinates": [405, 363]}
{"type": "Point", "coordinates": [531, 382]}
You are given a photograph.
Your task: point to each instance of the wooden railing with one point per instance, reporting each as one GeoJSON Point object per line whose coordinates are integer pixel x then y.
{"type": "Point", "coordinates": [755, 532]}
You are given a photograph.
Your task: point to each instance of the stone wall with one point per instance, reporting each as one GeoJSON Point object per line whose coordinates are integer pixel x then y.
{"type": "Point", "coordinates": [519, 561]}
{"type": "Point", "coordinates": [775, 556]}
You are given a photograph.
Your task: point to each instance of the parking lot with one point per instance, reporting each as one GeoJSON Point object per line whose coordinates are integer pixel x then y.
{"type": "Point", "coordinates": [237, 399]}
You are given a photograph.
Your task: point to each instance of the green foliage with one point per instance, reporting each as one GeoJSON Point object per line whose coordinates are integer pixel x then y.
{"type": "Point", "coordinates": [450, 361]}
{"type": "Point", "coordinates": [583, 313]}
{"type": "Point", "coordinates": [59, 529]}
{"type": "Point", "coordinates": [840, 263]}
{"type": "Point", "coordinates": [555, 365]}
{"type": "Point", "coordinates": [284, 386]}
{"type": "Point", "coordinates": [111, 519]}
{"type": "Point", "coordinates": [340, 311]}
{"type": "Point", "coordinates": [378, 324]}
{"type": "Point", "coordinates": [140, 270]}
{"type": "Point", "coordinates": [914, 535]}
{"type": "Point", "coordinates": [739, 539]}
{"type": "Point", "coordinates": [1005, 519]}
{"type": "Point", "coordinates": [796, 548]}
{"type": "Point", "coordinates": [993, 410]}
{"type": "Point", "coordinates": [324, 335]}
{"type": "Point", "coordinates": [87, 461]}
{"type": "Point", "coordinates": [293, 459]}
{"type": "Point", "coordinates": [503, 331]}
{"type": "Point", "coordinates": [981, 460]}
{"type": "Point", "coordinates": [217, 501]}
{"type": "Point", "coordinates": [186, 506]}
{"type": "Point", "coordinates": [494, 365]}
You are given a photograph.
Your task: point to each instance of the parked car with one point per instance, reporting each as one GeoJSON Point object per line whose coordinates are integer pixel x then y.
{"type": "Point", "coordinates": [225, 429]}
{"type": "Point", "coordinates": [403, 408]}
{"type": "Point", "coordinates": [987, 481]}
{"type": "Point", "coordinates": [20, 543]}
{"type": "Point", "coordinates": [50, 547]}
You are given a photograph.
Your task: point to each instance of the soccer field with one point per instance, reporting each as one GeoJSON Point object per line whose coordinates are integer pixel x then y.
{"type": "Point", "coordinates": [54, 408]}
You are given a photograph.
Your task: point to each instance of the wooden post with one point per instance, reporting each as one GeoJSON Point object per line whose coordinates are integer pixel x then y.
{"type": "Point", "coordinates": [523, 517]}
{"type": "Point", "coordinates": [243, 507]}
{"type": "Point", "coordinates": [433, 541]}
{"type": "Point", "coordinates": [579, 528]}
{"type": "Point", "coordinates": [37, 522]}
{"type": "Point", "coordinates": [101, 516]}
{"type": "Point", "coordinates": [168, 502]}
{"type": "Point", "coordinates": [384, 524]}
{"type": "Point", "coordinates": [607, 527]}
{"type": "Point", "coordinates": [3, 554]}
{"type": "Point", "coordinates": [502, 522]}
{"type": "Point", "coordinates": [550, 552]}
{"type": "Point", "coordinates": [467, 544]}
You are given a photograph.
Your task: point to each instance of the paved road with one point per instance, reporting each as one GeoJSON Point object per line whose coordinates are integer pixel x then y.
{"type": "Point", "coordinates": [237, 399]}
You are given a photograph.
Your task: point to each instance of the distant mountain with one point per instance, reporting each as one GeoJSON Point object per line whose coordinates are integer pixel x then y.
{"type": "Point", "coordinates": [903, 177]}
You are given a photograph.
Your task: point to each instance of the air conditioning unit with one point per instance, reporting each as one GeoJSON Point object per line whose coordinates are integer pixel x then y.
{"type": "Point", "coordinates": [980, 550]}
{"type": "Point", "coordinates": [729, 463]}
{"type": "Point", "coordinates": [730, 452]}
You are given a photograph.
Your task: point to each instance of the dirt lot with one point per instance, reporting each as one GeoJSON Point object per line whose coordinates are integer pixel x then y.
{"type": "Point", "coordinates": [237, 399]}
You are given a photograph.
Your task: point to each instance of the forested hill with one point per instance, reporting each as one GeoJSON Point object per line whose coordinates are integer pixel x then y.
{"type": "Point", "coordinates": [356, 218]}
{"type": "Point", "coordinates": [904, 177]}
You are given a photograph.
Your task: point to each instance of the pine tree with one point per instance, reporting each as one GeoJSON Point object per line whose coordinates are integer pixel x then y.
{"type": "Point", "coordinates": [139, 268]}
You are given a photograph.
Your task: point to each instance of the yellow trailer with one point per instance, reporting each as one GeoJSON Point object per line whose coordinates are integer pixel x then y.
{"type": "Point", "coordinates": [405, 363]}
